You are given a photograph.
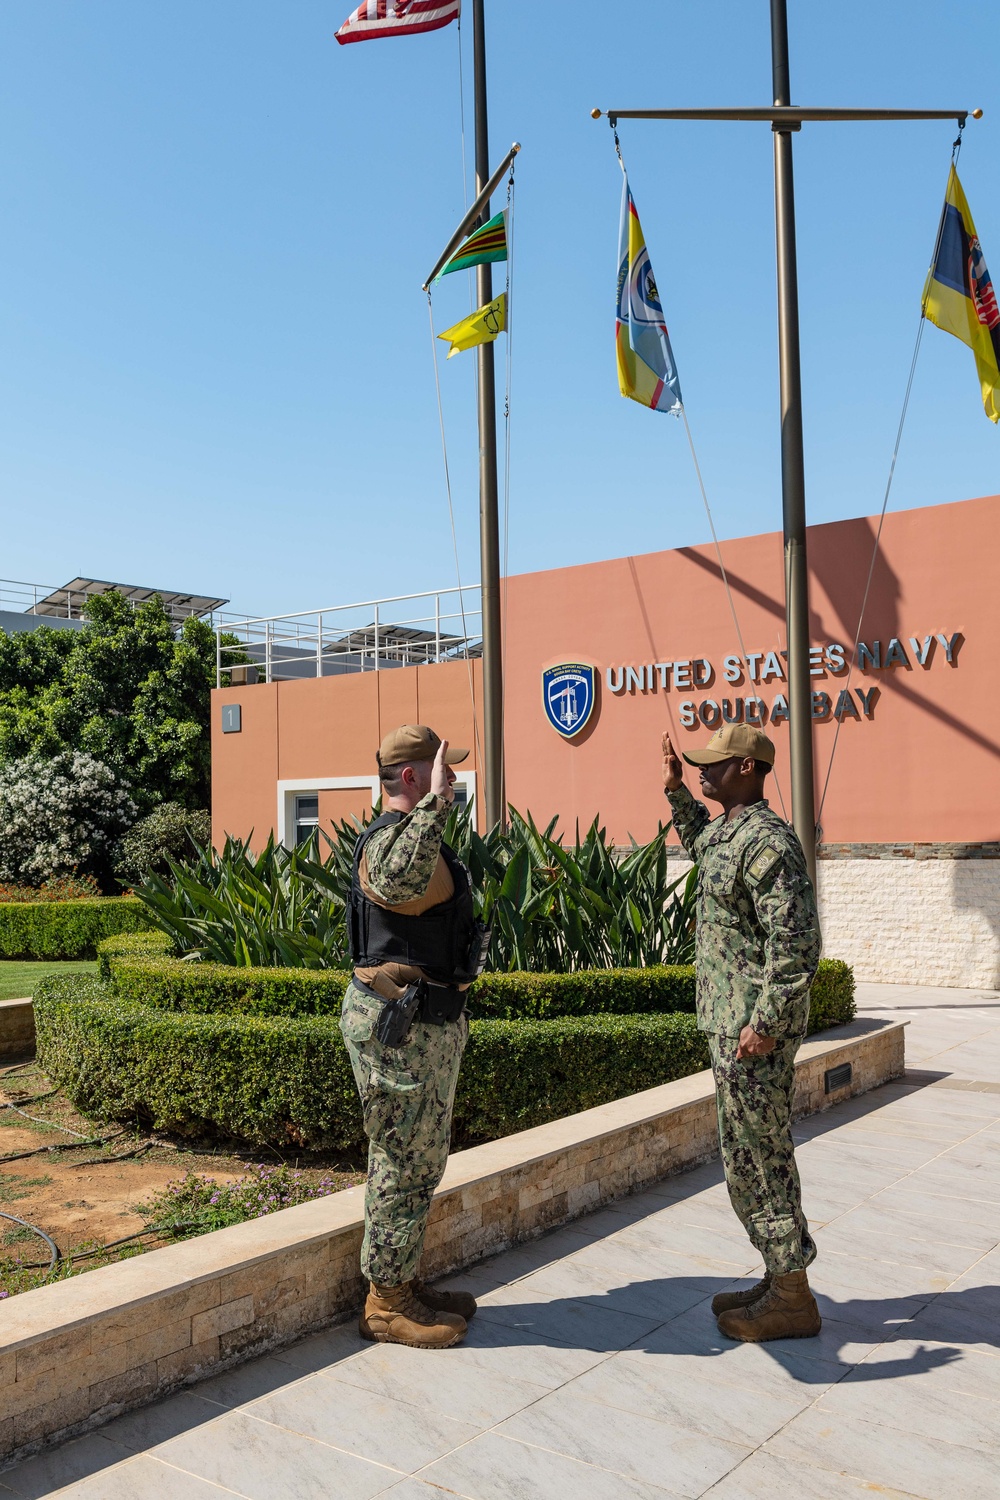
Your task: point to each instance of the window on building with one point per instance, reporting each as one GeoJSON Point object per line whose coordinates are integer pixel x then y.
{"type": "Point", "coordinates": [461, 794]}
{"type": "Point", "coordinates": [306, 817]}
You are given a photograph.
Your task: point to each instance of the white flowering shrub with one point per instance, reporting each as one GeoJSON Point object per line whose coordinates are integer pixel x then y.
{"type": "Point", "coordinates": [59, 815]}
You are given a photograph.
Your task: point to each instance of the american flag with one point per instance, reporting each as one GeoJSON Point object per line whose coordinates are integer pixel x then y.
{"type": "Point", "coordinates": [397, 18]}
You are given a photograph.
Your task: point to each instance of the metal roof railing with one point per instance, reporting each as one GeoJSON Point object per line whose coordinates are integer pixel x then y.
{"type": "Point", "coordinates": [370, 636]}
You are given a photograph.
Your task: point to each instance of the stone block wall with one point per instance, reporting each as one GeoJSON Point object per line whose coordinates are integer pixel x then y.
{"type": "Point", "coordinates": [914, 918]}
{"type": "Point", "coordinates": [910, 913]}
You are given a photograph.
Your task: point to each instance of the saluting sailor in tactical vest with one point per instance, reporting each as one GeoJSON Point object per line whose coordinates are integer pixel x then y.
{"type": "Point", "coordinates": [416, 947]}
{"type": "Point", "coordinates": [757, 948]}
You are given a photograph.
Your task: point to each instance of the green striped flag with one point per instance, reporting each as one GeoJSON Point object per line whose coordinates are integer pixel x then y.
{"type": "Point", "coordinates": [487, 243]}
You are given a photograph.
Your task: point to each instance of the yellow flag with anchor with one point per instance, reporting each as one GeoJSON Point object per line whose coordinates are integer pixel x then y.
{"type": "Point", "coordinates": [480, 327]}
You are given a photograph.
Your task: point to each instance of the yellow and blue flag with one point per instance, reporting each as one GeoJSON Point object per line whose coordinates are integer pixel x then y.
{"type": "Point", "coordinates": [959, 295]}
{"type": "Point", "coordinates": [480, 327]}
{"type": "Point", "coordinates": [646, 369]}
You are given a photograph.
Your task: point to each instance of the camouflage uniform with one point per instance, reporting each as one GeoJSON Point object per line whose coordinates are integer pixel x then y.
{"type": "Point", "coordinates": [407, 1092]}
{"type": "Point", "coordinates": [758, 945]}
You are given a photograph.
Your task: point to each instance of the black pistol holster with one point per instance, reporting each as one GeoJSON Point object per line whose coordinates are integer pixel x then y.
{"type": "Point", "coordinates": [434, 1003]}
{"type": "Point", "coordinates": [396, 1016]}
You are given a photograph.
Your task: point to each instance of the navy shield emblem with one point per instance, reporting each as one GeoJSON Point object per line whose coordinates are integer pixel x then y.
{"type": "Point", "coordinates": [568, 697]}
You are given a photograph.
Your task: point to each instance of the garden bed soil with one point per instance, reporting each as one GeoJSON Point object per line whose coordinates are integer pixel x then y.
{"type": "Point", "coordinates": [90, 1195]}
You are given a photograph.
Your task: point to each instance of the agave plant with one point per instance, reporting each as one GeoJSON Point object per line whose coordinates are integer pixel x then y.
{"type": "Point", "coordinates": [277, 908]}
{"type": "Point", "coordinates": [553, 907]}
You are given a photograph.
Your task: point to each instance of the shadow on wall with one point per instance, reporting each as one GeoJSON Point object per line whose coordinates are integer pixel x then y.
{"type": "Point", "coordinates": [845, 588]}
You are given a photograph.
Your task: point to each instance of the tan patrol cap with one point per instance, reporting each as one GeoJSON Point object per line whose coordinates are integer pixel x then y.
{"type": "Point", "coordinates": [733, 739]}
{"type": "Point", "coordinates": [413, 742]}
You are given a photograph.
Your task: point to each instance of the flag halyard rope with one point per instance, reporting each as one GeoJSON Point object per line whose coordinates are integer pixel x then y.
{"type": "Point", "coordinates": [875, 550]}
{"type": "Point", "coordinates": [506, 437]}
{"type": "Point", "coordinates": [454, 533]}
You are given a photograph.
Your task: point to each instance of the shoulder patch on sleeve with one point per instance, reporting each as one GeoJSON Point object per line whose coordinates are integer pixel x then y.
{"type": "Point", "coordinates": [763, 864]}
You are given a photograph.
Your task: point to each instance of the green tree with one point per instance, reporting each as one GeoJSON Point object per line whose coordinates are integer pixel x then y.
{"type": "Point", "coordinates": [129, 689]}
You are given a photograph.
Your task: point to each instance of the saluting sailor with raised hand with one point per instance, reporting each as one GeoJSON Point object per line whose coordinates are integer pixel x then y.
{"type": "Point", "coordinates": [416, 946]}
{"type": "Point", "coordinates": [757, 947]}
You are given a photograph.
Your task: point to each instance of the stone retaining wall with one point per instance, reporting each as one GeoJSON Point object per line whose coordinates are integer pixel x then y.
{"type": "Point", "coordinates": [78, 1352]}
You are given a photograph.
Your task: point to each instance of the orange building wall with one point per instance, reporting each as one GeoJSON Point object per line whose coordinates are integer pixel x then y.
{"type": "Point", "coordinates": [924, 767]}
{"type": "Point", "coordinates": [323, 728]}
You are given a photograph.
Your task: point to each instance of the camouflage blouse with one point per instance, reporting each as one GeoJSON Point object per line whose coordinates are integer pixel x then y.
{"type": "Point", "coordinates": [758, 939]}
{"type": "Point", "coordinates": [401, 859]}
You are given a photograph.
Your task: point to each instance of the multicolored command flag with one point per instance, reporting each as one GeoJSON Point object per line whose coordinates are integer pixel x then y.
{"type": "Point", "coordinates": [959, 295]}
{"type": "Point", "coordinates": [487, 243]}
{"type": "Point", "coordinates": [646, 369]}
{"type": "Point", "coordinates": [397, 18]}
{"type": "Point", "coordinates": [480, 327]}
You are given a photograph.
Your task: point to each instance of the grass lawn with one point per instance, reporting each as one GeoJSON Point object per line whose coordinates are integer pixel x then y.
{"type": "Point", "coordinates": [18, 977]}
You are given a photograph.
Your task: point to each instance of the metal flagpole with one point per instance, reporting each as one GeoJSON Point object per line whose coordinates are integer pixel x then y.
{"type": "Point", "coordinates": [489, 518]}
{"type": "Point", "coordinates": [785, 118]}
{"type": "Point", "coordinates": [793, 477]}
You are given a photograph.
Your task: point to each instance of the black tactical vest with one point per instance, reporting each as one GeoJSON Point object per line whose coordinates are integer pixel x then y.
{"type": "Point", "coordinates": [443, 941]}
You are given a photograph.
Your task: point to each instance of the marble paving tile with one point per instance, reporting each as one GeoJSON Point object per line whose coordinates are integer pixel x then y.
{"type": "Point", "coordinates": [957, 1319]}
{"type": "Point", "coordinates": [764, 1476]}
{"type": "Point", "coordinates": [716, 1408]}
{"type": "Point", "coordinates": [416, 1489]}
{"type": "Point", "coordinates": [628, 1257]}
{"type": "Point", "coordinates": [583, 1325]}
{"type": "Point", "coordinates": [498, 1468]}
{"type": "Point", "coordinates": [913, 1405]}
{"type": "Point", "coordinates": [723, 1240]}
{"type": "Point", "coordinates": [909, 1223]}
{"type": "Point", "coordinates": [58, 1467]}
{"type": "Point", "coordinates": [520, 1355]}
{"type": "Point", "coordinates": [161, 1421]}
{"type": "Point", "coordinates": [264, 1462]}
{"type": "Point", "coordinates": [955, 1179]}
{"type": "Point", "coordinates": [879, 1278]}
{"type": "Point", "coordinates": [683, 1184]}
{"type": "Point", "coordinates": [913, 1462]}
{"type": "Point", "coordinates": [326, 1350]}
{"type": "Point", "coordinates": [639, 1446]}
{"type": "Point", "coordinates": [648, 1296]}
{"type": "Point", "coordinates": [145, 1478]}
{"type": "Point", "coordinates": [940, 1367]}
{"type": "Point", "coordinates": [694, 1346]}
{"type": "Point", "coordinates": [259, 1377]}
{"type": "Point", "coordinates": [844, 1238]}
{"type": "Point", "coordinates": [878, 1145]}
{"type": "Point", "coordinates": [985, 1273]}
{"type": "Point", "coordinates": [953, 1208]}
{"type": "Point", "coordinates": [386, 1430]}
{"type": "Point", "coordinates": [841, 1341]}
{"type": "Point", "coordinates": [393, 1372]}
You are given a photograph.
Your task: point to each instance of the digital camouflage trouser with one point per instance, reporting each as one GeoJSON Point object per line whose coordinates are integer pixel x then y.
{"type": "Point", "coordinates": [407, 1094]}
{"type": "Point", "coordinates": [754, 1099]}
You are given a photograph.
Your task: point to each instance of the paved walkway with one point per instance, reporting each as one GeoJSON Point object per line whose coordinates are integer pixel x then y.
{"type": "Point", "coordinates": [594, 1369]}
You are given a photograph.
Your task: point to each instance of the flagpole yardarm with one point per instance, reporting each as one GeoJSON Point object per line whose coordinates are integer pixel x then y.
{"type": "Point", "coordinates": [681, 411]}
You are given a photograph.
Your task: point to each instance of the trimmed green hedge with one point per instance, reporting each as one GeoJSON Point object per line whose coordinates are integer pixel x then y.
{"type": "Point", "coordinates": [142, 971]}
{"type": "Point", "coordinates": [287, 1081]}
{"type": "Point", "coordinates": [67, 929]}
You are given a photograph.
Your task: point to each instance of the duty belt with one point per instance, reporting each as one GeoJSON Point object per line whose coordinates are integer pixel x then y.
{"type": "Point", "coordinates": [438, 1003]}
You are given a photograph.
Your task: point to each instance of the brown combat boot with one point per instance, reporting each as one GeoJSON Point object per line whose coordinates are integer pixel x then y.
{"type": "Point", "coordinates": [462, 1303]}
{"type": "Point", "coordinates": [396, 1315]}
{"type": "Point", "coordinates": [787, 1310]}
{"type": "Point", "coordinates": [723, 1301]}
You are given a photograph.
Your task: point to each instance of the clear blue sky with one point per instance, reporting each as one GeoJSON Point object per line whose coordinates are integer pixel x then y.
{"type": "Point", "coordinates": [214, 353]}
